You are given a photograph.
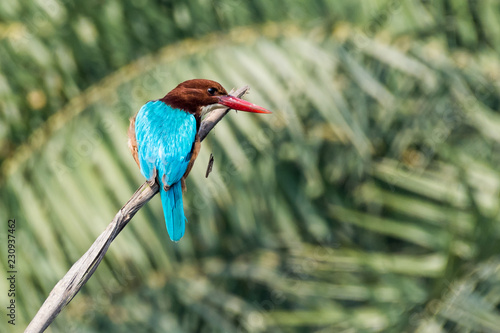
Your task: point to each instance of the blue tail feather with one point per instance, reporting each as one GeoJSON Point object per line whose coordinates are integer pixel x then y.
{"type": "Point", "coordinates": [174, 211]}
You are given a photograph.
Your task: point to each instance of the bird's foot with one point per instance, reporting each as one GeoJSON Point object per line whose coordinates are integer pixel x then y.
{"type": "Point", "coordinates": [151, 182]}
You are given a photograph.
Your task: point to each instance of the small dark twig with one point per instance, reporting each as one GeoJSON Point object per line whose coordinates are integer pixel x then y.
{"type": "Point", "coordinates": [82, 270]}
{"type": "Point", "coordinates": [210, 165]}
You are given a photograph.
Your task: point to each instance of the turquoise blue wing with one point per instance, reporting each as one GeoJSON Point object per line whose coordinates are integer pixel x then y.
{"type": "Point", "coordinates": [165, 138]}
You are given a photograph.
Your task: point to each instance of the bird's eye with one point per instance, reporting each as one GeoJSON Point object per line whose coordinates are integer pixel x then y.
{"type": "Point", "coordinates": [212, 91]}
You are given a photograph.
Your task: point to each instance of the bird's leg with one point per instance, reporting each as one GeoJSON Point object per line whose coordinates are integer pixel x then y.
{"type": "Point", "coordinates": [152, 180]}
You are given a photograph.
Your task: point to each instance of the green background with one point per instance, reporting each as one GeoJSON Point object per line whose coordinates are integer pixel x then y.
{"type": "Point", "coordinates": [367, 202]}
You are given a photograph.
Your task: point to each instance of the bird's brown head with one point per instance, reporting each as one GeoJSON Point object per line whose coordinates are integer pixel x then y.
{"type": "Point", "coordinates": [193, 95]}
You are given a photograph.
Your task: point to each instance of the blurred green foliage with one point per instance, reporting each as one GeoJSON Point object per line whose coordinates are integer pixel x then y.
{"type": "Point", "coordinates": [368, 201]}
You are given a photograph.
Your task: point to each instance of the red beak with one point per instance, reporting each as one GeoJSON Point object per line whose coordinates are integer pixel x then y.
{"type": "Point", "coordinates": [240, 104]}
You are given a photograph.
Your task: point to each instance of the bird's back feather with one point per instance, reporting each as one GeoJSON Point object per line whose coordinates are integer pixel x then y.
{"type": "Point", "coordinates": [165, 138]}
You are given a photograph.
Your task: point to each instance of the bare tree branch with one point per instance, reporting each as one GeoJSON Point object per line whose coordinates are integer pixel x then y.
{"type": "Point", "coordinates": [82, 270]}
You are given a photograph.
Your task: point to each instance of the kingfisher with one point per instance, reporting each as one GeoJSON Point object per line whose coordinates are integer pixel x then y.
{"type": "Point", "coordinates": [164, 141]}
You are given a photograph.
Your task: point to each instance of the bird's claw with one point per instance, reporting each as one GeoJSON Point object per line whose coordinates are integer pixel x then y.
{"type": "Point", "coordinates": [151, 182]}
